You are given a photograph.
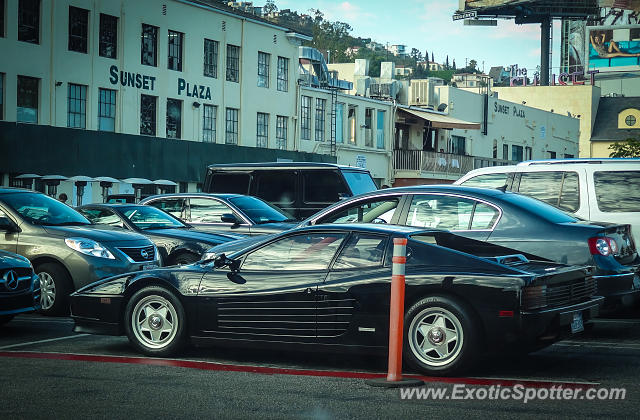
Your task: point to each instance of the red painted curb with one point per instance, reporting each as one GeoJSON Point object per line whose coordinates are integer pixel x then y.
{"type": "Point", "coordinates": [213, 366]}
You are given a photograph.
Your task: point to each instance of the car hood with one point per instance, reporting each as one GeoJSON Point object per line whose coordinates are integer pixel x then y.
{"type": "Point", "coordinates": [10, 260]}
{"type": "Point", "coordinates": [194, 235]}
{"type": "Point", "coordinates": [239, 245]}
{"type": "Point", "coordinates": [101, 233]}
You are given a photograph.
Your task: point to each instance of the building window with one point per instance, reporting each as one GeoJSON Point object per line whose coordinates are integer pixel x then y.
{"type": "Point", "coordinates": [283, 74]}
{"type": "Point", "coordinates": [368, 129]}
{"type": "Point", "coordinates": [263, 69]}
{"type": "Point", "coordinates": [340, 122]}
{"type": "Point", "coordinates": [76, 106]}
{"type": "Point", "coordinates": [175, 50]}
{"type": "Point", "coordinates": [233, 63]}
{"type": "Point", "coordinates": [262, 130]}
{"type": "Point", "coordinates": [29, 21]}
{"type": "Point", "coordinates": [552, 155]}
{"type": "Point", "coordinates": [210, 58]}
{"type": "Point", "coordinates": [380, 130]}
{"type": "Point", "coordinates": [495, 149]}
{"type": "Point", "coordinates": [78, 26]}
{"type": "Point", "coordinates": [458, 145]}
{"type": "Point", "coordinates": [281, 132]}
{"type": "Point", "coordinates": [527, 153]}
{"type": "Point", "coordinates": [320, 107]}
{"type": "Point", "coordinates": [505, 151]}
{"type": "Point", "coordinates": [305, 118]}
{"type": "Point", "coordinates": [630, 120]}
{"type": "Point", "coordinates": [231, 126]}
{"type": "Point", "coordinates": [149, 47]}
{"type": "Point", "coordinates": [352, 124]}
{"type": "Point", "coordinates": [174, 118]}
{"type": "Point", "coordinates": [108, 36]}
{"type": "Point", "coordinates": [516, 153]}
{"type": "Point", "coordinates": [27, 100]}
{"type": "Point", "coordinates": [106, 110]}
{"type": "Point", "coordinates": [209, 115]}
{"type": "Point", "coordinates": [148, 115]}
{"type": "Point", "coordinates": [1, 96]}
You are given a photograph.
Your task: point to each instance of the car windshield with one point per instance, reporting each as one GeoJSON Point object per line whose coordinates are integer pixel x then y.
{"type": "Point", "coordinates": [359, 182]}
{"type": "Point", "coordinates": [542, 209]}
{"type": "Point", "coordinates": [259, 211]}
{"type": "Point", "coordinates": [40, 209]}
{"type": "Point", "coordinates": [148, 217]}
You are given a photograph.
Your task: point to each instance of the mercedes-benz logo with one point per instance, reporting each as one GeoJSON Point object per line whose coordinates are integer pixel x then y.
{"type": "Point", "coordinates": [144, 254]}
{"type": "Point", "coordinates": [11, 280]}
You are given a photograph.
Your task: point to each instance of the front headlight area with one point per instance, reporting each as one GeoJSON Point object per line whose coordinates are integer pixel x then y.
{"type": "Point", "coordinates": [89, 247]}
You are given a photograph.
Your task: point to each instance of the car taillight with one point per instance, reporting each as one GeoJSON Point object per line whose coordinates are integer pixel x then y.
{"type": "Point", "coordinates": [603, 246]}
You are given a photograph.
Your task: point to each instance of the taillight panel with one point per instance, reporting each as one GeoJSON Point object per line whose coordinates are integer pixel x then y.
{"type": "Point", "coordinates": [602, 245]}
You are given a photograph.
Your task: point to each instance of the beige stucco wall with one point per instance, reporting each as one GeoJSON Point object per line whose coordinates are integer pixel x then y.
{"type": "Point", "coordinates": [578, 100]}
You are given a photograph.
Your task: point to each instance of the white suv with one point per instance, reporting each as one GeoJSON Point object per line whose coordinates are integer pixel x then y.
{"type": "Point", "coordinates": [605, 190]}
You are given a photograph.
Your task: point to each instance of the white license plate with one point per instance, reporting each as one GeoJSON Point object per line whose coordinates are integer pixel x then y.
{"type": "Point", "coordinates": [577, 324]}
{"type": "Point", "coordinates": [149, 267]}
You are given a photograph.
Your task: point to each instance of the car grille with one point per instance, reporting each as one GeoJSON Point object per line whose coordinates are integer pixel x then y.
{"type": "Point", "coordinates": [140, 254]}
{"type": "Point", "coordinates": [562, 294]}
{"type": "Point", "coordinates": [20, 282]}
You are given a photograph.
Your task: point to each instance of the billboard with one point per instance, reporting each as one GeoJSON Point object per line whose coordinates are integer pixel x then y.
{"type": "Point", "coordinates": [610, 48]}
{"type": "Point", "coordinates": [485, 4]}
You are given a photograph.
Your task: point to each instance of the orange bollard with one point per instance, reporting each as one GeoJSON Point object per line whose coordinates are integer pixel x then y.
{"type": "Point", "coordinates": [396, 321]}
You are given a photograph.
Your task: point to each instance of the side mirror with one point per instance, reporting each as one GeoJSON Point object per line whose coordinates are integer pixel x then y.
{"type": "Point", "coordinates": [222, 260]}
{"type": "Point", "coordinates": [7, 225]}
{"type": "Point", "coordinates": [229, 218]}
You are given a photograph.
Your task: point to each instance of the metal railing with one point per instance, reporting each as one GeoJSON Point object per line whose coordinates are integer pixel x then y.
{"type": "Point", "coordinates": [426, 161]}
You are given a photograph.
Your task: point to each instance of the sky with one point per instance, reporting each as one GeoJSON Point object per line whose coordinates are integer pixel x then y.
{"type": "Point", "coordinates": [428, 25]}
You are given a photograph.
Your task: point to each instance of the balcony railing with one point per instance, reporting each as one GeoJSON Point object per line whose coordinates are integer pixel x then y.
{"type": "Point", "coordinates": [439, 162]}
{"type": "Point", "coordinates": [425, 161]}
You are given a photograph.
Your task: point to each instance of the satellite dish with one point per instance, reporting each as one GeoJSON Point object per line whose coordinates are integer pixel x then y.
{"type": "Point", "coordinates": [442, 107]}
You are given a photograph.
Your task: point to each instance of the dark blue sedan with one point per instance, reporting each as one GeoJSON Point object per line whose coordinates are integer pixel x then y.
{"type": "Point", "coordinates": [19, 286]}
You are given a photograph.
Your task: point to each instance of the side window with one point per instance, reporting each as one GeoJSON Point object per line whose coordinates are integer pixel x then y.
{"type": "Point", "coordinates": [442, 212]}
{"type": "Point", "coordinates": [102, 217]}
{"type": "Point", "coordinates": [617, 191]}
{"type": "Point", "coordinates": [299, 252]}
{"type": "Point", "coordinates": [484, 217]}
{"type": "Point", "coordinates": [174, 206]}
{"type": "Point", "coordinates": [487, 181]}
{"type": "Point", "coordinates": [276, 187]}
{"type": "Point", "coordinates": [207, 210]}
{"type": "Point", "coordinates": [362, 250]}
{"type": "Point", "coordinates": [558, 188]}
{"type": "Point", "coordinates": [379, 210]}
{"type": "Point", "coordinates": [236, 183]}
{"type": "Point", "coordinates": [323, 187]}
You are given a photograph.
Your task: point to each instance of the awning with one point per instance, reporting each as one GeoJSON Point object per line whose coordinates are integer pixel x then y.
{"type": "Point", "coordinates": [442, 121]}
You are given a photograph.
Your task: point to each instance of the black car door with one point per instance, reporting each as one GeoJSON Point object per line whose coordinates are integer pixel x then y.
{"type": "Point", "coordinates": [353, 302]}
{"type": "Point", "coordinates": [463, 215]}
{"type": "Point", "coordinates": [273, 294]}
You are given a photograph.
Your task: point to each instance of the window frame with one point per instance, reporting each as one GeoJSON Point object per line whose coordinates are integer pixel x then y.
{"type": "Point", "coordinates": [209, 123]}
{"type": "Point", "coordinates": [282, 74]}
{"type": "Point", "coordinates": [319, 129]}
{"type": "Point", "coordinates": [231, 125]}
{"type": "Point", "coordinates": [174, 122]}
{"type": "Point", "coordinates": [262, 130]}
{"type": "Point", "coordinates": [77, 118]}
{"type": "Point", "coordinates": [175, 46]}
{"type": "Point", "coordinates": [233, 64]}
{"type": "Point", "coordinates": [29, 9]}
{"type": "Point", "coordinates": [37, 97]}
{"type": "Point", "coordinates": [78, 30]}
{"type": "Point", "coordinates": [110, 105]}
{"type": "Point", "coordinates": [153, 120]}
{"type": "Point", "coordinates": [264, 60]}
{"type": "Point", "coordinates": [210, 58]}
{"type": "Point", "coordinates": [305, 117]}
{"type": "Point", "coordinates": [149, 37]}
{"type": "Point", "coordinates": [108, 36]}
{"type": "Point", "coordinates": [282, 122]}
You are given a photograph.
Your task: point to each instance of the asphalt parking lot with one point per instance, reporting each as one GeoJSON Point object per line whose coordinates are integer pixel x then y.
{"type": "Point", "coordinates": [50, 372]}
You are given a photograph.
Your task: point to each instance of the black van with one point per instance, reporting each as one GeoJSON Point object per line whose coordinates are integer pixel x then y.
{"type": "Point", "coordinates": [298, 188]}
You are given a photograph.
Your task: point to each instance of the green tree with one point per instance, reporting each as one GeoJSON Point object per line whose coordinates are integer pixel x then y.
{"type": "Point", "coordinates": [628, 148]}
{"type": "Point", "coordinates": [269, 7]}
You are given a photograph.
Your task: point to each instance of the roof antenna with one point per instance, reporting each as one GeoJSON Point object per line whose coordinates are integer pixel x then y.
{"type": "Point", "coordinates": [502, 188]}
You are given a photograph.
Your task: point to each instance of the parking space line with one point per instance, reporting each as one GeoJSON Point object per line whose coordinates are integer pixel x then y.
{"type": "Point", "coordinates": [42, 341]}
{"type": "Point", "coordinates": [214, 366]}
